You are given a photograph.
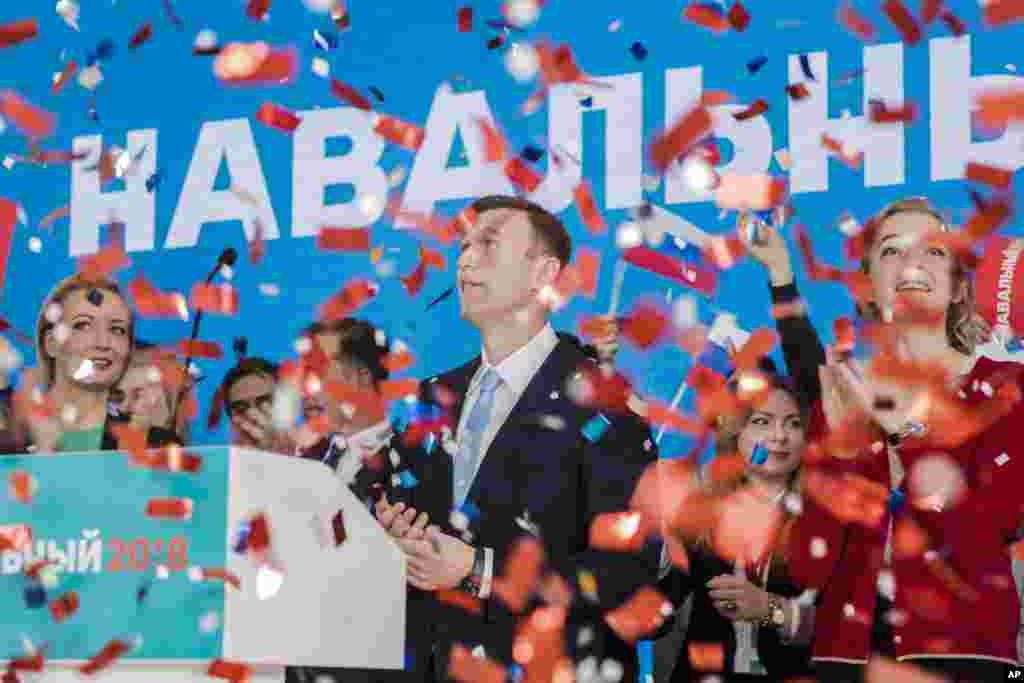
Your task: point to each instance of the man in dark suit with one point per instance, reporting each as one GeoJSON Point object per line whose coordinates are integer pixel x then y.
{"type": "Point", "coordinates": [372, 458]}
{"type": "Point", "coordinates": [520, 457]}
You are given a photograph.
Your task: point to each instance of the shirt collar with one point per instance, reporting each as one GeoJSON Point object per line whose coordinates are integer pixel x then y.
{"type": "Point", "coordinates": [518, 369]}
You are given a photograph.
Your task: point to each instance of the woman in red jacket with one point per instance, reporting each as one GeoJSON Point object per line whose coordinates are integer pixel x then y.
{"type": "Point", "coordinates": [926, 575]}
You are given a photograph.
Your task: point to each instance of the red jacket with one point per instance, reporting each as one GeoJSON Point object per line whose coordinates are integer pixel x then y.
{"type": "Point", "coordinates": [955, 594]}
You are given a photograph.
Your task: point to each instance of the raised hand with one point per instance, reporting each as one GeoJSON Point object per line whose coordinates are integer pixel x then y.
{"type": "Point", "coordinates": [768, 248]}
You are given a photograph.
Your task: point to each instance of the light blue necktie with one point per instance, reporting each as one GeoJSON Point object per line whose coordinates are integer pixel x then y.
{"type": "Point", "coordinates": [470, 441]}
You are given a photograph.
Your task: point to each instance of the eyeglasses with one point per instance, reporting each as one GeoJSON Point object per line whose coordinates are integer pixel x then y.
{"type": "Point", "coordinates": [241, 407]}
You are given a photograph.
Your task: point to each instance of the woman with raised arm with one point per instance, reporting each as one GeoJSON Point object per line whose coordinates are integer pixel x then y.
{"type": "Point", "coordinates": [928, 578]}
{"type": "Point", "coordinates": [84, 339]}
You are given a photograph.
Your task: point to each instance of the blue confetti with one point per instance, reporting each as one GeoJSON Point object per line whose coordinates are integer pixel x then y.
{"type": "Point", "coordinates": [587, 102]}
{"type": "Point", "coordinates": [595, 428]}
{"type": "Point", "coordinates": [241, 544]}
{"type": "Point", "coordinates": [153, 181]}
{"type": "Point", "coordinates": [407, 479]}
{"type": "Point", "coordinates": [805, 64]}
{"type": "Point", "coordinates": [760, 454]}
{"type": "Point", "coordinates": [532, 153]}
{"type": "Point", "coordinates": [35, 596]}
{"type": "Point", "coordinates": [104, 51]}
{"type": "Point", "coordinates": [639, 51]}
{"type": "Point", "coordinates": [516, 672]}
{"type": "Point", "coordinates": [755, 64]}
{"type": "Point", "coordinates": [325, 40]}
{"type": "Point", "coordinates": [715, 357]}
{"type": "Point", "coordinates": [896, 499]}
{"type": "Point", "coordinates": [1014, 345]}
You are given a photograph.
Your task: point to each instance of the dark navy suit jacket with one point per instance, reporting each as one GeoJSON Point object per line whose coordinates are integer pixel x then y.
{"type": "Point", "coordinates": [541, 473]}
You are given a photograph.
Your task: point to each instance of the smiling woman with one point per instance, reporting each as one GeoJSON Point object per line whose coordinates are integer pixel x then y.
{"type": "Point", "coordinates": [84, 340]}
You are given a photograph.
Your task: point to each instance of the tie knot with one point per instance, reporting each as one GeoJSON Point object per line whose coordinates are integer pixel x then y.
{"type": "Point", "coordinates": [490, 381]}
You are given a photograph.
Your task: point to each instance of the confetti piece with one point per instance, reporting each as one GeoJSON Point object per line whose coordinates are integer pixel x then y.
{"type": "Point", "coordinates": [999, 12]}
{"type": "Point", "coordinates": [170, 459]}
{"type": "Point", "coordinates": [140, 37]}
{"type": "Point", "coordinates": [110, 653]}
{"type": "Point", "coordinates": [880, 113]}
{"type": "Point", "coordinates": [852, 158]}
{"type": "Point", "coordinates": [18, 32]}
{"type": "Point", "coordinates": [844, 332]}
{"type": "Point", "coordinates": [707, 656]}
{"type": "Point", "coordinates": [22, 486]}
{"type": "Point", "coordinates": [215, 574]}
{"type": "Point", "coordinates": [462, 600]}
{"type": "Point", "coordinates": [755, 64]}
{"type": "Point", "coordinates": [351, 298]}
{"type": "Point", "coordinates": [930, 10]}
{"type": "Point", "coordinates": [953, 23]}
{"type": "Point", "coordinates": [150, 302]}
{"type": "Point", "coordinates": [347, 93]}
{"type": "Point", "coordinates": [399, 132]}
{"type": "Point", "coordinates": [338, 528]}
{"type": "Point", "coordinates": [16, 537]}
{"type": "Point", "coordinates": [196, 348]}
{"type": "Point", "coordinates": [107, 260]}
{"type": "Point", "coordinates": [904, 21]}
{"type": "Point", "coordinates": [638, 51]}
{"type": "Point", "coordinates": [257, 9]}
{"type": "Point", "coordinates": [273, 116]}
{"type": "Point", "coordinates": [587, 209]}
{"type": "Point", "coordinates": [646, 325]}
{"type": "Point", "coordinates": [62, 79]}
{"type": "Point", "coordinates": [700, 279]}
{"type": "Point", "coordinates": [414, 281]}
{"type": "Point", "coordinates": [798, 91]}
{"type": "Point", "coordinates": [708, 16]}
{"type": "Point", "coordinates": [856, 23]}
{"type": "Point", "coordinates": [620, 531]}
{"type": "Point", "coordinates": [34, 663]}
{"type": "Point", "coordinates": [756, 109]}
{"type": "Point", "coordinates": [230, 671]}
{"type": "Point", "coordinates": [595, 428]}
{"type": "Point", "coordinates": [343, 239]}
{"type": "Point", "coordinates": [496, 149]}
{"type": "Point", "coordinates": [464, 667]}
{"type": "Point", "coordinates": [254, 63]}
{"type": "Point", "coordinates": [397, 390]}
{"type": "Point", "coordinates": [522, 176]}
{"type": "Point", "coordinates": [678, 140]}
{"type": "Point", "coordinates": [376, 92]}
{"type": "Point", "coordinates": [465, 19]}
{"type": "Point", "coordinates": [644, 612]}
{"type": "Point", "coordinates": [520, 573]}
{"type": "Point", "coordinates": [206, 43]}
{"type": "Point", "coordinates": [30, 120]}
{"type": "Point", "coordinates": [259, 533]}
{"type": "Point", "coordinates": [739, 17]}
{"type": "Point", "coordinates": [750, 192]}
{"type": "Point", "coordinates": [169, 508]}
{"type": "Point", "coordinates": [220, 299]}
{"type": "Point", "coordinates": [64, 606]}
{"type": "Point", "coordinates": [805, 66]}
{"type": "Point", "coordinates": [998, 178]}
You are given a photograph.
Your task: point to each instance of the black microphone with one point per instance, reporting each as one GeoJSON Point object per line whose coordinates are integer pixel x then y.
{"type": "Point", "coordinates": [228, 257]}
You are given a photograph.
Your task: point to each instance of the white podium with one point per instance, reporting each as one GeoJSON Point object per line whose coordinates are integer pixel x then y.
{"type": "Point", "coordinates": [331, 605]}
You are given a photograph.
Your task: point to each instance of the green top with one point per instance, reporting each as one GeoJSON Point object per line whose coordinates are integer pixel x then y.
{"type": "Point", "coordinates": [81, 440]}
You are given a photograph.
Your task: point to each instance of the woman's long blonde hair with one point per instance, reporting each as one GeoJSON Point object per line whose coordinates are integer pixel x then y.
{"type": "Point", "coordinates": [964, 327]}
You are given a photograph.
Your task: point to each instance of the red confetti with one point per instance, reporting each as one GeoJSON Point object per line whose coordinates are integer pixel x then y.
{"type": "Point", "coordinates": [197, 348]}
{"type": "Point", "coordinates": [222, 298]}
{"type": "Point", "coordinates": [69, 70]}
{"type": "Point", "coordinates": [465, 19]}
{"type": "Point", "coordinates": [18, 32]}
{"type": "Point", "coordinates": [107, 260]}
{"type": "Point", "coordinates": [521, 175]}
{"type": "Point", "coordinates": [273, 116]}
{"type": "Point", "coordinates": [988, 218]}
{"type": "Point", "coordinates": [953, 23]}
{"type": "Point", "coordinates": [846, 336]}
{"type": "Point", "coordinates": [8, 222]}
{"type": "Point", "coordinates": [398, 361]}
{"type": "Point", "coordinates": [996, 108]}
{"type": "Point", "coordinates": [857, 24]}
{"type": "Point", "coordinates": [351, 298]}
{"type": "Point", "coordinates": [690, 128]}
{"type": "Point", "coordinates": [880, 113]}
{"type": "Point", "coordinates": [587, 209]}
{"type": "Point", "coordinates": [257, 9]}
{"type": "Point", "coordinates": [904, 21]}
{"type": "Point", "coordinates": [700, 279]}
{"type": "Point", "coordinates": [169, 508]}
{"type": "Point", "coordinates": [399, 132]}
{"type": "Point", "coordinates": [343, 239]}
{"type": "Point", "coordinates": [750, 192]}
{"type": "Point", "coordinates": [756, 109]}
{"type": "Point", "coordinates": [414, 281]}
{"type": "Point", "coordinates": [643, 613]}
{"type": "Point", "coordinates": [620, 531]}
{"type": "Point", "coordinates": [150, 302]}
{"type": "Point", "coordinates": [739, 17]}
{"type": "Point", "coordinates": [259, 533]}
{"type": "Point", "coordinates": [798, 91]}
{"type": "Point", "coordinates": [707, 656]}
{"type": "Point", "coordinates": [130, 439]}
{"type": "Point", "coordinates": [221, 574]}
{"type": "Point", "coordinates": [16, 537]}
{"type": "Point", "coordinates": [660, 415]}
{"type": "Point", "coordinates": [930, 10]}
{"type": "Point", "coordinates": [230, 671]}
{"type": "Point", "coordinates": [398, 389]}
{"type": "Point", "coordinates": [520, 574]}
{"type": "Point", "coordinates": [140, 37]}
{"type": "Point", "coordinates": [646, 325]}
{"type": "Point", "coordinates": [462, 600]}
{"type": "Point", "coordinates": [999, 12]}
{"type": "Point", "coordinates": [724, 252]}
{"type": "Point", "coordinates": [557, 65]}
{"type": "Point", "coordinates": [708, 17]}
{"type": "Point", "coordinates": [21, 486]}
{"type": "Point", "coordinates": [851, 158]}
{"type": "Point", "coordinates": [110, 653]}
{"type": "Point", "coordinates": [465, 668]}
{"type": "Point", "coordinates": [64, 606]}
{"type": "Point", "coordinates": [338, 524]}
{"type": "Point", "coordinates": [998, 178]}
{"type": "Point", "coordinates": [169, 459]}
{"type": "Point", "coordinates": [254, 63]}
{"type": "Point", "coordinates": [30, 120]}
{"type": "Point", "coordinates": [34, 663]}
{"type": "Point", "coordinates": [496, 149]}
{"type": "Point", "coordinates": [347, 93]}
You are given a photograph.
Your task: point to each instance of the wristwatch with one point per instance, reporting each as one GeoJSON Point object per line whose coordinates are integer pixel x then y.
{"type": "Point", "coordinates": [776, 614]}
{"type": "Point", "coordinates": [472, 583]}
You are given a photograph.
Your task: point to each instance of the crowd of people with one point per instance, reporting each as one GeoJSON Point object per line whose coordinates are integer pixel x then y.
{"type": "Point", "coordinates": [883, 476]}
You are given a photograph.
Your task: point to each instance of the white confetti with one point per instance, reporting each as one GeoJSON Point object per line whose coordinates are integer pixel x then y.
{"type": "Point", "coordinates": [268, 582]}
{"type": "Point", "coordinates": [321, 67]}
{"type": "Point", "coordinates": [269, 289]}
{"type": "Point", "coordinates": [209, 622]}
{"type": "Point", "coordinates": [522, 62]}
{"type": "Point", "coordinates": [35, 245]}
{"type": "Point", "coordinates": [69, 12]}
{"type": "Point", "coordinates": [628, 235]}
{"type": "Point", "coordinates": [205, 40]}
{"type": "Point", "coordinates": [90, 77]}
{"type": "Point", "coordinates": [615, 26]}
{"type": "Point", "coordinates": [1002, 459]}
{"type": "Point", "coordinates": [521, 13]}
{"type": "Point", "coordinates": [819, 548]}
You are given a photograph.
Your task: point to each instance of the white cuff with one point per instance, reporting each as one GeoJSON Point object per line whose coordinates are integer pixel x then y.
{"type": "Point", "coordinates": [488, 577]}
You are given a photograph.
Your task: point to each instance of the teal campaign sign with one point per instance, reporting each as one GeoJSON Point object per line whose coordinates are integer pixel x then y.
{"type": "Point", "coordinates": [127, 572]}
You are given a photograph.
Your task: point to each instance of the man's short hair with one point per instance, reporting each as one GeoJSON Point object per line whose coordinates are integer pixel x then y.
{"type": "Point", "coordinates": [546, 226]}
{"type": "Point", "coordinates": [242, 369]}
{"type": "Point", "coordinates": [357, 344]}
